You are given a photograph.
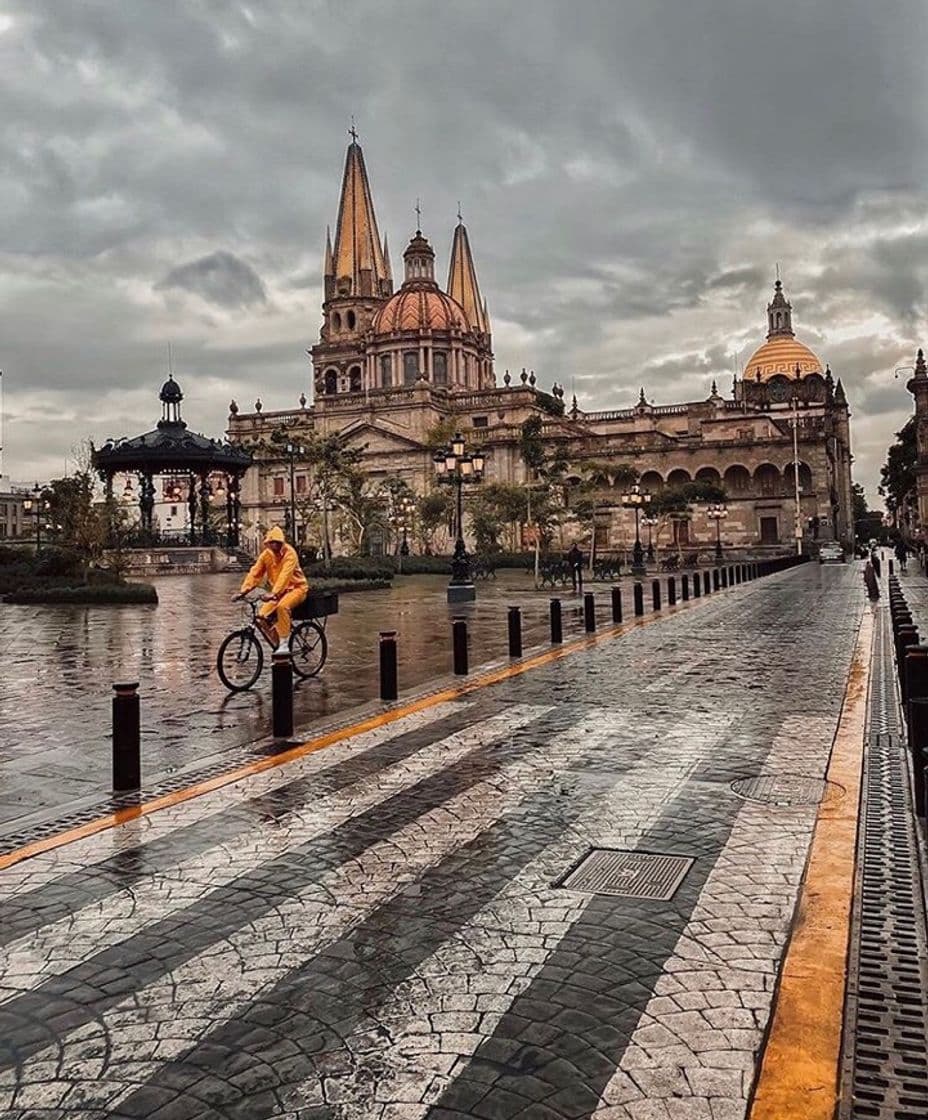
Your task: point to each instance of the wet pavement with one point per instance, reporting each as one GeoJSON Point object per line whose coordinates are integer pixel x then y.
{"type": "Point", "coordinates": [379, 929]}
{"type": "Point", "coordinates": [57, 665]}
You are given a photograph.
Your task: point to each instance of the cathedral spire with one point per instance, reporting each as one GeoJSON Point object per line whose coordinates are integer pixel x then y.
{"type": "Point", "coordinates": [462, 281]}
{"type": "Point", "coordinates": [386, 261]}
{"type": "Point", "coordinates": [779, 312]}
{"type": "Point", "coordinates": [359, 265]}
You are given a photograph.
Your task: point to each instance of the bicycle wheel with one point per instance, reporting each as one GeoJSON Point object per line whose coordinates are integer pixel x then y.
{"type": "Point", "coordinates": [308, 648]}
{"type": "Point", "coordinates": [240, 660]}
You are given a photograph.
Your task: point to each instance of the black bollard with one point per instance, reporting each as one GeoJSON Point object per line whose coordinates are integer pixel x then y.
{"type": "Point", "coordinates": [388, 681]}
{"type": "Point", "coordinates": [739, 573]}
{"type": "Point", "coordinates": [705, 582]}
{"type": "Point", "coordinates": [890, 567]}
{"type": "Point", "coordinates": [459, 646]}
{"type": "Point", "coordinates": [716, 579]}
{"type": "Point", "coordinates": [656, 594]}
{"type": "Point", "coordinates": [639, 599]}
{"type": "Point", "coordinates": [918, 745]}
{"type": "Point", "coordinates": [616, 604]}
{"type": "Point", "coordinates": [697, 585]}
{"type": "Point", "coordinates": [724, 577]}
{"type": "Point", "coordinates": [685, 588]}
{"type": "Point", "coordinates": [127, 754]}
{"type": "Point", "coordinates": [557, 630]}
{"type": "Point", "coordinates": [907, 636]}
{"type": "Point", "coordinates": [589, 612]}
{"type": "Point", "coordinates": [515, 632]}
{"type": "Point", "coordinates": [282, 695]}
{"type": "Point", "coordinates": [671, 591]}
{"type": "Point", "coordinates": [915, 675]}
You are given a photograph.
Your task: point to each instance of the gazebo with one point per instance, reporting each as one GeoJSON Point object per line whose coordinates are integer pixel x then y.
{"type": "Point", "coordinates": [192, 459]}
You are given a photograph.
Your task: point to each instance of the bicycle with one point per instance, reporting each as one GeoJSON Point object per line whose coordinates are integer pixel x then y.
{"type": "Point", "coordinates": [241, 655]}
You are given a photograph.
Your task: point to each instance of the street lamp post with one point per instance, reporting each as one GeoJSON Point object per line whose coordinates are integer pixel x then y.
{"type": "Point", "coordinates": [35, 503]}
{"type": "Point", "coordinates": [718, 513]}
{"type": "Point", "coordinates": [637, 499]}
{"type": "Point", "coordinates": [455, 468]}
{"type": "Point", "coordinates": [403, 518]}
{"type": "Point", "coordinates": [797, 512]}
{"type": "Point", "coordinates": [650, 522]}
{"type": "Point", "coordinates": [293, 451]}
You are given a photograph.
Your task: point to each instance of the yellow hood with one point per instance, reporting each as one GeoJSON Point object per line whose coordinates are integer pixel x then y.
{"type": "Point", "coordinates": [275, 534]}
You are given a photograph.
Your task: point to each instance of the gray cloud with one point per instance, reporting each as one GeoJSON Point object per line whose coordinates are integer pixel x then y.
{"type": "Point", "coordinates": [220, 278]}
{"type": "Point", "coordinates": [629, 173]}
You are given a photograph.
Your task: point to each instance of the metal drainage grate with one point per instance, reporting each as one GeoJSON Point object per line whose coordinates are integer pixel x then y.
{"type": "Point", "coordinates": [628, 874]}
{"type": "Point", "coordinates": [782, 789]}
{"type": "Point", "coordinates": [886, 1032]}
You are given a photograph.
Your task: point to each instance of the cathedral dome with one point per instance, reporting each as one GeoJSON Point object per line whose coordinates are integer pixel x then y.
{"type": "Point", "coordinates": [781, 355]}
{"type": "Point", "coordinates": [419, 307]}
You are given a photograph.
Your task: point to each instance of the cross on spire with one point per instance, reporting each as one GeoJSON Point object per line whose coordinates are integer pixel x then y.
{"type": "Point", "coordinates": [418, 217]}
{"type": "Point", "coordinates": [353, 132]}
{"type": "Point", "coordinates": [460, 218]}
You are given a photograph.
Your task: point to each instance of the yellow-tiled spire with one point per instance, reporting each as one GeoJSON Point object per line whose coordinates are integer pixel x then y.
{"type": "Point", "coordinates": [358, 261]}
{"type": "Point", "coordinates": [462, 281]}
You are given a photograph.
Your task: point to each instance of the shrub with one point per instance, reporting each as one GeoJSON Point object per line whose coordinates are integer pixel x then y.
{"type": "Point", "coordinates": [352, 567]}
{"type": "Point", "coordinates": [111, 593]}
{"type": "Point", "coordinates": [58, 562]}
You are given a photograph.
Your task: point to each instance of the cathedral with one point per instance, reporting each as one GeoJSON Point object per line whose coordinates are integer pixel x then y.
{"type": "Point", "coordinates": [394, 366]}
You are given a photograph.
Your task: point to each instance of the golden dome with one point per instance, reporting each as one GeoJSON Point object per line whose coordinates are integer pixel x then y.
{"type": "Point", "coordinates": [780, 355]}
{"type": "Point", "coordinates": [419, 307]}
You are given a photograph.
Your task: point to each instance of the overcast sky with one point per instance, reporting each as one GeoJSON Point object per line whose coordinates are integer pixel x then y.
{"type": "Point", "coordinates": [629, 171]}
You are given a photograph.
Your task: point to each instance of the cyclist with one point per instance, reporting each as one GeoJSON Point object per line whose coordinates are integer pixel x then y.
{"type": "Point", "coordinates": [278, 566]}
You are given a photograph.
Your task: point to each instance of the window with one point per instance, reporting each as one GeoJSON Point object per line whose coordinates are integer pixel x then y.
{"type": "Point", "coordinates": [440, 367]}
{"type": "Point", "coordinates": [354, 379]}
{"type": "Point", "coordinates": [351, 320]}
{"type": "Point", "coordinates": [479, 421]}
{"type": "Point", "coordinates": [386, 370]}
{"type": "Point", "coordinates": [301, 483]}
{"type": "Point", "coordinates": [278, 487]}
{"type": "Point", "coordinates": [331, 381]}
{"type": "Point", "coordinates": [337, 321]}
{"type": "Point", "coordinates": [410, 366]}
{"type": "Point", "coordinates": [173, 511]}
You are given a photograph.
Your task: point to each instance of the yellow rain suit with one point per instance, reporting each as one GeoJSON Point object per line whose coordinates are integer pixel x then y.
{"type": "Point", "coordinates": [283, 575]}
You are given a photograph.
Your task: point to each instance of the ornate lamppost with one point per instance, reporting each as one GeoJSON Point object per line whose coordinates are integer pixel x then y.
{"type": "Point", "coordinates": [718, 513]}
{"type": "Point", "coordinates": [455, 468]}
{"type": "Point", "coordinates": [35, 503]}
{"type": "Point", "coordinates": [294, 451]}
{"type": "Point", "coordinates": [650, 522]}
{"type": "Point", "coordinates": [637, 499]}
{"type": "Point", "coordinates": [403, 518]}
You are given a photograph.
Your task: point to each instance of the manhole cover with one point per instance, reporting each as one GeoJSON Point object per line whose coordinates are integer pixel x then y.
{"type": "Point", "coordinates": [628, 874]}
{"type": "Point", "coordinates": [784, 789]}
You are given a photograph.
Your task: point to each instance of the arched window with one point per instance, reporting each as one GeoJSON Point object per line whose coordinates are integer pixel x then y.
{"type": "Point", "coordinates": [337, 321]}
{"type": "Point", "coordinates": [351, 320]}
{"type": "Point", "coordinates": [767, 481]}
{"type": "Point", "coordinates": [410, 366]}
{"type": "Point", "coordinates": [709, 475]}
{"type": "Point", "coordinates": [354, 379]}
{"type": "Point", "coordinates": [386, 370]}
{"type": "Point", "coordinates": [331, 381]}
{"type": "Point", "coordinates": [737, 480]}
{"type": "Point", "coordinates": [651, 482]}
{"type": "Point", "coordinates": [678, 478]}
{"type": "Point", "coordinates": [440, 367]}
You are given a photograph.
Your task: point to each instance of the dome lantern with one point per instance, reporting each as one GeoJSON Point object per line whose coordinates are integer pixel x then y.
{"type": "Point", "coordinates": [420, 259]}
{"type": "Point", "coordinates": [170, 397]}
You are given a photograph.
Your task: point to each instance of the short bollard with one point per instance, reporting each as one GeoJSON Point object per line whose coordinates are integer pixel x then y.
{"type": "Point", "coordinates": [697, 585]}
{"type": "Point", "coordinates": [915, 674]}
{"type": "Point", "coordinates": [127, 755]}
{"type": "Point", "coordinates": [918, 745]}
{"type": "Point", "coordinates": [515, 632]}
{"type": "Point", "coordinates": [282, 695]}
{"type": "Point", "coordinates": [890, 567]}
{"type": "Point", "coordinates": [685, 588]}
{"type": "Point", "coordinates": [617, 604]}
{"type": "Point", "coordinates": [557, 629]}
{"type": "Point", "coordinates": [589, 612]}
{"type": "Point", "coordinates": [671, 591]}
{"type": "Point", "coordinates": [716, 579]}
{"type": "Point", "coordinates": [639, 598]}
{"type": "Point", "coordinates": [388, 682]}
{"type": "Point", "coordinates": [907, 636]}
{"type": "Point", "coordinates": [723, 576]}
{"type": "Point", "coordinates": [459, 646]}
{"type": "Point", "coordinates": [739, 573]}
{"type": "Point", "coordinates": [656, 594]}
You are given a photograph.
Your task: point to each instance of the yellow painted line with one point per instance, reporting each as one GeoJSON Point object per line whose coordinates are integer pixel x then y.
{"type": "Point", "coordinates": [799, 1074]}
{"type": "Point", "coordinates": [300, 750]}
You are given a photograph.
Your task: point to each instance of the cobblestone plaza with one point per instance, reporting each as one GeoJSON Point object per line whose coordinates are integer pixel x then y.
{"type": "Point", "coordinates": [384, 921]}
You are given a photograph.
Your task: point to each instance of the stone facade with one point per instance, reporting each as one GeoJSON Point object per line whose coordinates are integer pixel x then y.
{"type": "Point", "coordinates": [391, 368]}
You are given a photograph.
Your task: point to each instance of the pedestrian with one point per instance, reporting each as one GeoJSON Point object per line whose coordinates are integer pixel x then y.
{"type": "Point", "coordinates": [875, 563]}
{"type": "Point", "coordinates": [575, 564]}
{"type": "Point", "coordinates": [870, 580]}
{"type": "Point", "coordinates": [901, 553]}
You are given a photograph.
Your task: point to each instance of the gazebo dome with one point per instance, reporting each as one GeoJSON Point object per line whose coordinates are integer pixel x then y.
{"type": "Point", "coordinates": [170, 392]}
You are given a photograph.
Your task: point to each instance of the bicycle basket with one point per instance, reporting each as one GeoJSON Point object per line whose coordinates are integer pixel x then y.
{"type": "Point", "coordinates": [317, 604]}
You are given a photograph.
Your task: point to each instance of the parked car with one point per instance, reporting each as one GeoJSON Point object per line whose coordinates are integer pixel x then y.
{"type": "Point", "coordinates": [831, 553]}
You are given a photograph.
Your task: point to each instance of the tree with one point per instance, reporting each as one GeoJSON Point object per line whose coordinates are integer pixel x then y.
{"type": "Point", "coordinates": [362, 500]}
{"type": "Point", "coordinates": [596, 491]}
{"type": "Point", "coordinates": [868, 523]}
{"type": "Point", "coordinates": [75, 521]}
{"type": "Point", "coordinates": [432, 511]}
{"type": "Point", "coordinates": [897, 475]}
{"type": "Point", "coordinates": [675, 502]}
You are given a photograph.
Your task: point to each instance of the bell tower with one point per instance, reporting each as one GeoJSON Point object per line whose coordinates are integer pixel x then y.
{"type": "Point", "coordinates": [357, 278]}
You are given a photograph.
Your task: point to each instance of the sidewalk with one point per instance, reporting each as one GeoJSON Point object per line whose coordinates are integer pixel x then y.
{"type": "Point", "coordinates": [380, 927]}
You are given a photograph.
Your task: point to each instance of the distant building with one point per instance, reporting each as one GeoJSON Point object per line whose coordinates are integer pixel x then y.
{"type": "Point", "coordinates": [16, 520]}
{"type": "Point", "coordinates": [392, 367]}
